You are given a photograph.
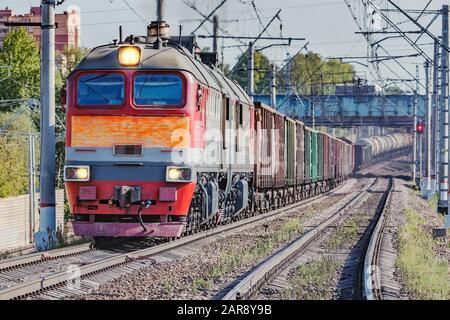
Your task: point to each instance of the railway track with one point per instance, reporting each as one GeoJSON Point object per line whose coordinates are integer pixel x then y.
{"type": "Point", "coordinates": [371, 274]}
{"type": "Point", "coordinates": [286, 257]}
{"type": "Point", "coordinates": [76, 270]}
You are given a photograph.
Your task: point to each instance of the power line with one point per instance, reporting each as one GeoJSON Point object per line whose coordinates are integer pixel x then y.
{"type": "Point", "coordinates": [137, 14]}
{"type": "Point", "coordinates": [208, 17]}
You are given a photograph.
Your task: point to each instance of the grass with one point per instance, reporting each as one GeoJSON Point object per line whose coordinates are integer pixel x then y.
{"type": "Point", "coordinates": [433, 201]}
{"type": "Point", "coordinates": [168, 288]}
{"type": "Point", "coordinates": [200, 283]}
{"type": "Point", "coordinates": [312, 281]}
{"type": "Point", "coordinates": [343, 236]}
{"type": "Point", "coordinates": [426, 275]}
{"type": "Point", "coordinates": [230, 259]}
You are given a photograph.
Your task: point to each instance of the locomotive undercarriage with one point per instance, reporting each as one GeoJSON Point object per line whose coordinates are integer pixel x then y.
{"type": "Point", "coordinates": [213, 205]}
{"type": "Point", "coordinates": [219, 198]}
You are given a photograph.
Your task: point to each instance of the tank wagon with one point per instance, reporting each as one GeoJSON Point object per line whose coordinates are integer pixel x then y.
{"type": "Point", "coordinates": [379, 148]}
{"type": "Point", "coordinates": [160, 142]}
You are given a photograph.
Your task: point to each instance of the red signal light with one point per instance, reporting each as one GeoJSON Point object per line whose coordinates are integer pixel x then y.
{"type": "Point", "coordinates": [420, 128]}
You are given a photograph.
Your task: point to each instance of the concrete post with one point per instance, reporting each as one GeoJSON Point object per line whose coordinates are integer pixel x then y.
{"type": "Point", "coordinates": [443, 194]}
{"type": "Point", "coordinates": [426, 186]}
{"type": "Point", "coordinates": [46, 237]}
{"type": "Point", "coordinates": [273, 87]}
{"type": "Point", "coordinates": [31, 186]}
{"type": "Point", "coordinates": [250, 71]}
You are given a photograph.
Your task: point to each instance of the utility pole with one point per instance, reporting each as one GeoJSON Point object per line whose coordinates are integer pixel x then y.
{"type": "Point", "coordinates": [45, 238]}
{"type": "Point", "coordinates": [273, 86]}
{"type": "Point", "coordinates": [426, 186]}
{"type": "Point", "coordinates": [215, 32]}
{"type": "Point", "coordinates": [414, 160]}
{"type": "Point", "coordinates": [250, 70]}
{"type": "Point", "coordinates": [443, 190]}
{"type": "Point", "coordinates": [31, 185]}
{"type": "Point", "coordinates": [160, 10]}
{"type": "Point", "coordinates": [420, 158]}
{"type": "Point", "coordinates": [288, 89]}
{"type": "Point", "coordinates": [435, 119]}
{"type": "Point", "coordinates": [444, 106]}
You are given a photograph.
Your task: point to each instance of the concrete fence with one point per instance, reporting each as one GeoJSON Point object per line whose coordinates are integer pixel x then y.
{"type": "Point", "coordinates": [16, 229]}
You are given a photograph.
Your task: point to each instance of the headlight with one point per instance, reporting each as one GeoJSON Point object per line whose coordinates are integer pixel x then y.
{"type": "Point", "coordinates": [76, 173]}
{"type": "Point", "coordinates": [129, 55]}
{"type": "Point", "coordinates": [175, 174]}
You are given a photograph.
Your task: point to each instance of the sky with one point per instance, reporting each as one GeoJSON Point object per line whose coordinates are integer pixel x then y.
{"type": "Point", "coordinates": [327, 25]}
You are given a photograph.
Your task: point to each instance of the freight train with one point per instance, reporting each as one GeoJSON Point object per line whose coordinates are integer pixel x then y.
{"type": "Point", "coordinates": [379, 148]}
{"type": "Point", "coordinates": [160, 143]}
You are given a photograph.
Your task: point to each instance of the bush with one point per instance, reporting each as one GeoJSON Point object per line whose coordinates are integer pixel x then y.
{"type": "Point", "coordinates": [14, 154]}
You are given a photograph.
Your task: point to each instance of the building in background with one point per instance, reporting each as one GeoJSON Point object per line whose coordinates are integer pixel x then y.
{"type": "Point", "coordinates": [67, 32]}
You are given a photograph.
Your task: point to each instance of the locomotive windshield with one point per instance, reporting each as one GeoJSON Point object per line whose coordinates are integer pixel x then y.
{"type": "Point", "coordinates": [158, 90]}
{"type": "Point", "coordinates": [101, 90]}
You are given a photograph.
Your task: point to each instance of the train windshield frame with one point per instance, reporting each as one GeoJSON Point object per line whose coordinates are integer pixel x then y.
{"type": "Point", "coordinates": [100, 90]}
{"type": "Point", "coordinates": [163, 90]}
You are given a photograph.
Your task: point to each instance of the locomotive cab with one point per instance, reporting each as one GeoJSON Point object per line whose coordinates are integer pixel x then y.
{"type": "Point", "coordinates": [132, 124]}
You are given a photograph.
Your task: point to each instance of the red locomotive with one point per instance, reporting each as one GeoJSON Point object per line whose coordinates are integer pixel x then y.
{"type": "Point", "coordinates": [161, 142]}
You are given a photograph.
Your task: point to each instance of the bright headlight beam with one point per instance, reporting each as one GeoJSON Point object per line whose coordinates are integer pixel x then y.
{"type": "Point", "coordinates": [129, 55]}
{"type": "Point", "coordinates": [82, 173]}
{"type": "Point", "coordinates": [174, 174]}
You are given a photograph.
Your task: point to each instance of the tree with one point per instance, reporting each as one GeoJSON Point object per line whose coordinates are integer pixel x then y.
{"type": "Point", "coordinates": [311, 74]}
{"type": "Point", "coordinates": [21, 54]}
{"type": "Point", "coordinates": [262, 72]}
{"type": "Point", "coordinates": [71, 57]}
{"type": "Point", "coordinates": [14, 154]}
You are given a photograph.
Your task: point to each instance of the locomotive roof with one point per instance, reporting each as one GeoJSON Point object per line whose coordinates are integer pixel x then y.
{"type": "Point", "coordinates": [166, 58]}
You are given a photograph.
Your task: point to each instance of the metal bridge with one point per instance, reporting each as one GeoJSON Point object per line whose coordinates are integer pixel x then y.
{"type": "Point", "coordinates": [350, 110]}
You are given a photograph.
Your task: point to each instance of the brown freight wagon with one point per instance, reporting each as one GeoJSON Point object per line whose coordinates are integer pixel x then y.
{"type": "Point", "coordinates": [269, 147]}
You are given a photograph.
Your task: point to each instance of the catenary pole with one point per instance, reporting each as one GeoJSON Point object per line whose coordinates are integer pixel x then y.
{"type": "Point", "coordinates": [427, 143]}
{"type": "Point", "coordinates": [435, 120]}
{"type": "Point", "coordinates": [414, 155]}
{"type": "Point", "coordinates": [46, 236]}
{"type": "Point", "coordinates": [250, 70]}
{"type": "Point", "coordinates": [443, 198]}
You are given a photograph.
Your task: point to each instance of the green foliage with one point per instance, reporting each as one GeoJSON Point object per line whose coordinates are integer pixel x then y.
{"type": "Point", "coordinates": [71, 57]}
{"type": "Point", "coordinates": [262, 74]}
{"type": "Point", "coordinates": [233, 258]}
{"type": "Point", "coordinates": [14, 155]}
{"type": "Point", "coordinates": [21, 53]}
{"type": "Point", "coordinates": [311, 74]}
{"type": "Point", "coordinates": [343, 236]}
{"type": "Point", "coordinates": [312, 281]}
{"type": "Point", "coordinates": [426, 275]}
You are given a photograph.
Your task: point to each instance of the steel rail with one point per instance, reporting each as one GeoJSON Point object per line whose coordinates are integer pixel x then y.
{"type": "Point", "coordinates": [248, 286]}
{"type": "Point", "coordinates": [371, 281]}
{"type": "Point", "coordinates": [54, 280]}
{"type": "Point", "coordinates": [32, 258]}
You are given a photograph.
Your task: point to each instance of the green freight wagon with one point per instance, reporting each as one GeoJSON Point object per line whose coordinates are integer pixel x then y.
{"type": "Point", "coordinates": [307, 155]}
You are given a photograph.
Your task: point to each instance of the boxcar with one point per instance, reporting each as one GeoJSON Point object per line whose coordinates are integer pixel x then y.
{"type": "Point", "coordinates": [313, 156]}
{"type": "Point", "coordinates": [269, 147]}
{"type": "Point", "coordinates": [290, 151]}
{"type": "Point", "coordinates": [300, 158]}
{"type": "Point", "coordinates": [320, 156]}
{"type": "Point", "coordinates": [264, 157]}
{"type": "Point", "coordinates": [279, 145]}
{"type": "Point", "coordinates": [307, 134]}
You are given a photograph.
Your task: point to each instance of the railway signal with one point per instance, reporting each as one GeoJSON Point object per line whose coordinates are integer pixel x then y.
{"type": "Point", "coordinates": [420, 128]}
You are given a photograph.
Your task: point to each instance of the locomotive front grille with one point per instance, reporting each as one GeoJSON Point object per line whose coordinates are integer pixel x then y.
{"type": "Point", "coordinates": [128, 150]}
